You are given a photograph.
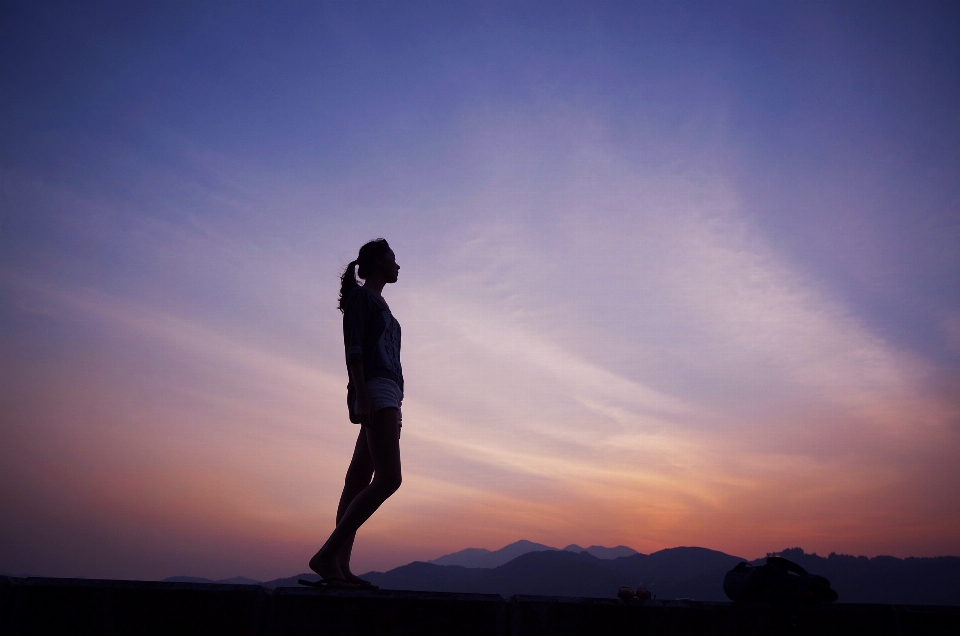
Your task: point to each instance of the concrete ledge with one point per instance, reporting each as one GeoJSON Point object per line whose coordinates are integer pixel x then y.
{"type": "Point", "coordinates": [81, 606]}
{"type": "Point", "coordinates": [89, 606]}
{"type": "Point", "coordinates": [306, 611]}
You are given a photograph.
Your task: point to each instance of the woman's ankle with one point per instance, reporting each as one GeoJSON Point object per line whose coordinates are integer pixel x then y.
{"type": "Point", "coordinates": [325, 565]}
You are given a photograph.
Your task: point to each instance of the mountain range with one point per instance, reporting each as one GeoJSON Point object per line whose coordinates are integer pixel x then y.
{"type": "Point", "coordinates": [673, 573]}
{"type": "Point", "coordinates": [682, 572]}
{"type": "Point", "coordinates": [483, 558]}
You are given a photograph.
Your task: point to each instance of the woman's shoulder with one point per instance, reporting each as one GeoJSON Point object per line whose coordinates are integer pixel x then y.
{"type": "Point", "coordinates": [355, 299]}
{"type": "Point", "coordinates": [360, 294]}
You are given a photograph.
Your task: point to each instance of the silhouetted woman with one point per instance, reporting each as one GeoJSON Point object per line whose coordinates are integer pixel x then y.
{"type": "Point", "coordinates": [371, 339]}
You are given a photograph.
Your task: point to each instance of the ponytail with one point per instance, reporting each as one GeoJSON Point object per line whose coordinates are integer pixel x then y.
{"type": "Point", "coordinates": [369, 253]}
{"type": "Point", "coordinates": [348, 280]}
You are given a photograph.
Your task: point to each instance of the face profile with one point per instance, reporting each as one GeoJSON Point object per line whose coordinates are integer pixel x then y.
{"type": "Point", "coordinates": [388, 266]}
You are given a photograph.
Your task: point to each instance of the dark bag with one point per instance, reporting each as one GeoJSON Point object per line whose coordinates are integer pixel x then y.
{"type": "Point", "coordinates": [779, 581]}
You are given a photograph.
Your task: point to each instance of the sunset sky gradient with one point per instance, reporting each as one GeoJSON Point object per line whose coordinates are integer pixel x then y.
{"type": "Point", "coordinates": [672, 273]}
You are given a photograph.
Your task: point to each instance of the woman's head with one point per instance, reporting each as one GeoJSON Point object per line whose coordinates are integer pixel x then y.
{"type": "Point", "coordinates": [370, 255]}
{"type": "Point", "coordinates": [374, 256]}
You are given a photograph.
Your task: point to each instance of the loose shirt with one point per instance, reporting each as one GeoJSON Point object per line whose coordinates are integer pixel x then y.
{"type": "Point", "coordinates": [371, 335]}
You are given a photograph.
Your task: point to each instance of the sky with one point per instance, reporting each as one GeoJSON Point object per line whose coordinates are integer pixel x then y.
{"type": "Point", "coordinates": [672, 273]}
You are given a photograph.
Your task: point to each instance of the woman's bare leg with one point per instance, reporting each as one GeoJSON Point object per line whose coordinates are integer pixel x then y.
{"type": "Point", "coordinates": [358, 477]}
{"type": "Point", "coordinates": [383, 444]}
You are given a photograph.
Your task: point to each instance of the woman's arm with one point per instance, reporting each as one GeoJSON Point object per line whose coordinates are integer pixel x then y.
{"type": "Point", "coordinates": [362, 405]}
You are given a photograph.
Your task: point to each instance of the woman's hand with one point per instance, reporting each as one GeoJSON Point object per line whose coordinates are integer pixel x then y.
{"type": "Point", "coordinates": [361, 405]}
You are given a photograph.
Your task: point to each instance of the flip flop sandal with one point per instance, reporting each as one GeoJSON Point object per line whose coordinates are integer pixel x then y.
{"type": "Point", "coordinates": [341, 584]}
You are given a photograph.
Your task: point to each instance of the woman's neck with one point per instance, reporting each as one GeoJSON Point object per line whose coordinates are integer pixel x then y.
{"type": "Point", "coordinates": [374, 285]}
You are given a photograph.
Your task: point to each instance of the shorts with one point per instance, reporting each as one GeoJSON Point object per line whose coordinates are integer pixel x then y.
{"type": "Point", "coordinates": [385, 394]}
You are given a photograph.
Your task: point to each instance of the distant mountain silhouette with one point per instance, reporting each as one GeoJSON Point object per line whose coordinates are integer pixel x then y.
{"type": "Point", "coordinates": [603, 553]}
{"type": "Point", "coordinates": [684, 572]}
{"type": "Point", "coordinates": [551, 572]}
{"type": "Point", "coordinates": [483, 558]}
{"type": "Point", "coordinates": [675, 573]}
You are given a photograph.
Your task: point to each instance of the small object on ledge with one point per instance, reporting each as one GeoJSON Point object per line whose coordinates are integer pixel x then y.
{"type": "Point", "coordinates": [627, 594]}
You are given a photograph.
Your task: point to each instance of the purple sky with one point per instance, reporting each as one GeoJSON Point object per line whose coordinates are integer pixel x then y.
{"type": "Point", "coordinates": [672, 274]}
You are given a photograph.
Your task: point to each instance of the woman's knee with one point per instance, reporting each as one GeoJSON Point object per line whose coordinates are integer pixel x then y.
{"type": "Point", "coordinates": [389, 482]}
{"type": "Point", "coordinates": [357, 479]}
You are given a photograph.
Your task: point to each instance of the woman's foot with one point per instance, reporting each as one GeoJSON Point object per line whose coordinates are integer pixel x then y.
{"type": "Point", "coordinates": [326, 567]}
{"type": "Point", "coordinates": [356, 580]}
{"type": "Point", "coordinates": [343, 562]}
